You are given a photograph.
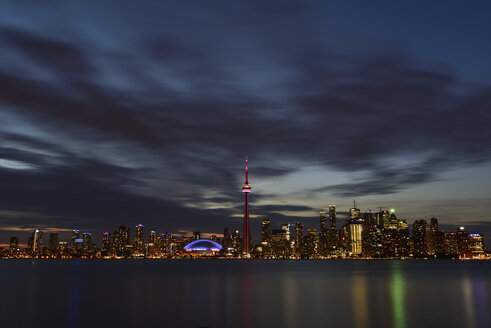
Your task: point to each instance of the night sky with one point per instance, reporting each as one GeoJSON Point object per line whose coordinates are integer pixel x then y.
{"type": "Point", "coordinates": [132, 112]}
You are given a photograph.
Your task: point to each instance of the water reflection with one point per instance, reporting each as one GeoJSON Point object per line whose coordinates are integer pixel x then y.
{"type": "Point", "coordinates": [468, 301]}
{"type": "Point", "coordinates": [360, 303]}
{"type": "Point", "coordinates": [74, 317]}
{"type": "Point", "coordinates": [398, 296]}
{"type": "Point", "coordinates": [481, 301]}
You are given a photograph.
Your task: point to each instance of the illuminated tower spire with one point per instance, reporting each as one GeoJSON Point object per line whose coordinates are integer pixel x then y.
{"type": "Point", "coordinates": [246, 189]}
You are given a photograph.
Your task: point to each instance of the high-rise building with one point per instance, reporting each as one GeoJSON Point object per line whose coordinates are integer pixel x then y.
{"type": "Point", "coordinates": [246, 189]}
{"type": "Point", "coordinates": [311, 244]}
{"type": "Point", "coordinates": [323, 221]}
{"type": "Point", "coordinates": [139, 239]}
{"type": "Point", "coordinates": [121, 238]}
{"type": "Point", "coordinates": [323, 235]}
{"type": "Point", "coordinates": [106, 241]}
{"type": "Point", "coordinates": [432, 236]}
{"type": "Point", "coordinates": [332, 217]}
{"type": "Point", "coordinates": [420, 228]}
{"type": "Point", "coordinates": [451, 247]}
{"type": "Point", "coordinates": [392, 222]}
{"type": "Point", "coordinates": [298, 238]}
{"type": "Point", "coordinates": [354, 213]}
{"type": "Point", "coordinates": [463, 243]}
{"type": "Point", "coordinates": [14, 244]}
{"type": "Point", "coordinates": [266, 235]}
{"type": "Point", "coordinates": [152, 237]}
{"type": "Point", "coordinates": [86, 245]}
{"type": "Point", "coordinates": [196, 235]}
{"type": "Point", "coordinates": [53, 242]}
{"type": "Point", "coordinates": [368, 220]}
{"type": "Point", "coordinates": [476, 245]}
{"type": "Point", "coordinates": [355, 237]}
{"type": "Point", "coordinates": [37, 240]}
{"type": "Point", "coordinates": [75, 236]}
{"type": "Point", "coordinates": [286, 230]}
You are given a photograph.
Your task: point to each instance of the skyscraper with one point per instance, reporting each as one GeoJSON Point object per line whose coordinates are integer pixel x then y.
{"type": "Point", "coordinates": [332, 217]}
{"type": "Point", "coordinates": [37, 236]}
{"type": "Point", "coordinates": [75, 236]}
{"type": "Point", "coordinates": [152, 237]}
{"type": "Point", "coordinates": [121, 238]}
{"type": "Point", "coordinates": [323, 235]}
{"type": "Point", "coordinates": [14, 244]}
{"type": "Point", "coordinates": [432, 236]}
{"type": "Point", "coordinates": [139, 239]}
{"type": "Point", "coordinates": [354, 237]}
{"type": "Point", "coordinates": [246, 189]}
{"type": "Point", "coordinates": [106, 241]}
{"type": "Point", "coordinates": [323, 220]}
{"type": "Point", "coordinates": [355, 228]}
{"type": "Point", "coordinates": [266, 235]}
{"type": "Point", "coordinates": [420, 229]}
{"type": "Point", "coordinates": [299, 238]}
{"type": "Point", "coordinates": [86, 243]}
{"type": "Point", "coordinates": [53, 242]}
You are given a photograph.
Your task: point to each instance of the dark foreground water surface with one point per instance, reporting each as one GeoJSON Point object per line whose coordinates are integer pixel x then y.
{"type": "Point", "coordinates": [244, 293]}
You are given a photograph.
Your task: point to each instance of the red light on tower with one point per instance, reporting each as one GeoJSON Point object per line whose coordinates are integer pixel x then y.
{"type": "Point", "coordinates": [246, 189]}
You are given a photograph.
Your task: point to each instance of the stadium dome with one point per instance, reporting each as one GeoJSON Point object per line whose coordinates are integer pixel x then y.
{"type": "Point", "coordinates": [203, 245]}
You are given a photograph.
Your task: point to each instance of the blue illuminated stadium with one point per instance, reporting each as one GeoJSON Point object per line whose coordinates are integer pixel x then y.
{"type": "Point", "coordinates": [203, 245]}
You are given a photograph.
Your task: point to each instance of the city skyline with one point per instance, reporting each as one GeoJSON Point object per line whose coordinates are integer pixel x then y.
{"type": "Point", "coordinates": [368, 235]}
{"type": "Point", "coordinates": [143, 114]}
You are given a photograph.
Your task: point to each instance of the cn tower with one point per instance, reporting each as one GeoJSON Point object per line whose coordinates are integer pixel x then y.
{"type": "Point", "coordinates": [246, 189]}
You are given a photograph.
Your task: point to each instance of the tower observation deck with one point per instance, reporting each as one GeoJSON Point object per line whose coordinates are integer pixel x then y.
{"type": "Point", "coordinates": [246, 189]}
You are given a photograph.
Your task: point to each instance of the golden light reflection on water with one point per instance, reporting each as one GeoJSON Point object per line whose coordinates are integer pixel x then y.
{"type": "Point", "coordinates": [360, 303]}
{"type": "Point", "coordinates": [468, 294]}
{"type": "Point", "coordinates": [397, 288]}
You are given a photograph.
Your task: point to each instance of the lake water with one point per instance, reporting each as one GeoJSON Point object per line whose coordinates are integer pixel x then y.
{"type": "Point", "coordinates": [244, 293]}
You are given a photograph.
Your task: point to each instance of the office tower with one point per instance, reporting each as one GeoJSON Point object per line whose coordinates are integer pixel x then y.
{"type": "Point", "coordinates": [382, 218]}
{"type": "Point", "coordinates": [311, 244]}
{"type": "Point", "coordinates": [432, 236]}
{"type": "Point", "coordinates": [392, 222]}
{"type": "Point", "coordinates": [298, 238]}
{"type": "Point", "coordinates": [476, 245]}
{"type": "Point", "coordinates": [246, 189]}
{"type": "Point", "coordinates": [451, 247]}
{"type": "Point", "coordinates": [86, 241]}
{"type": "Point", "coordinates": [332, 217]}
{"type": "Point", "coordinates": [354, 213]}
{"type": "Point", "coordinates": [323, 221]}
{"type": "Point", "coordinates": [196, 235]}
{"type": "Point", "coordinates": [372, 242]}
{"type": "Point", "coordinates": [368, 220]}
{"type": "Point", "coordinates": [152, 237]}
{"type": "Point", "coordinates": [139, 239]}
{"type": "Point", "coordinates": [439, 244]}
{"type": "Point", "coordinates": [355, 237]}
{"type": "Point", "coordinates": [121, 238]}
{"type": "Point", "coordinates": [323, 235]}
{"type": "Point", "coordinates": [419, 238]}
{"type": "Point", "coordinates": [37, 240]}
{"type": "Point", "coordinates": [75, 236]}
{"type": "Point", "coordinates": [227, 241]}
{"type": "Point", "coordinates": [266, 235]}
{"type": "Point", "coordinates": [280, 243]}
{"type": "Point", "coordinates": [53, 242]}
{"type": "Point", "coordinates": [63, 248]}
{"type": "Point", "coordinates": [236, 242]}
{"type": "Point", "coordinates": [463, 243]}
{"type": "Point", "coordinates": [106, 241]}
{"type": "Point", "coordinates": [286, 230]}
{"type": "Point", "coordinates": [14, 244]}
